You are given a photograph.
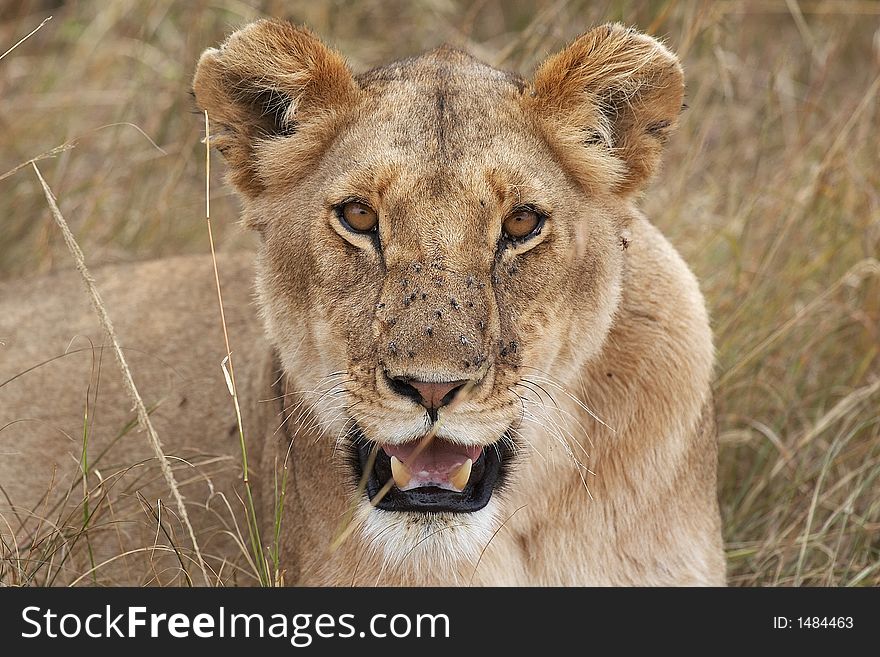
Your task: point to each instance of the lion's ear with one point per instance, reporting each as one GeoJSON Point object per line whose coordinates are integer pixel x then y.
{"type": "Point", "coordinates": [270, 79]}
{"type": "Point", "coordinates": [616, 90]}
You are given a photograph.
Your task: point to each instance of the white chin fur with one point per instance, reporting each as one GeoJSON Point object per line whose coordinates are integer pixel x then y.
{"type": "Point", "coordinates": [442, 546]}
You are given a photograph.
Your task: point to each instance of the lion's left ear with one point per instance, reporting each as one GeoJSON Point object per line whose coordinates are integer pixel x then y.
{"type": "Point", "coordinates": [613, 90]}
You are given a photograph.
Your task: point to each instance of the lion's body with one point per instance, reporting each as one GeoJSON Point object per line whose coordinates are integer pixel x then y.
{"type": "Point", "coordinates": [587, 348]}
{"type": "Point", "coordinates": [171, 337]}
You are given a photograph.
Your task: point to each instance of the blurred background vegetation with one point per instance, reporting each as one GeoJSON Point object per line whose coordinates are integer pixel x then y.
{"type": "Point", "coordinates": [771, 191]}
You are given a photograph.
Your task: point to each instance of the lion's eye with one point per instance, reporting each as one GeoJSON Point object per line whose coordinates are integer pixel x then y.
{"type": "Point", "coordinates": [522, 223]}
{"type": "Point", "coordinates": [359, 217]}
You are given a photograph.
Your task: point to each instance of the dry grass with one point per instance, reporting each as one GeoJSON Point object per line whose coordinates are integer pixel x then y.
{"type": "Point", "coordinates": [771, 190]}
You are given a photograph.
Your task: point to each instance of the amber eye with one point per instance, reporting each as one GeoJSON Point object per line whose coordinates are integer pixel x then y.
{"type": "Point", "coordinates": [359, 217]}
{"type": "Point", "coordinates": [521, 223]}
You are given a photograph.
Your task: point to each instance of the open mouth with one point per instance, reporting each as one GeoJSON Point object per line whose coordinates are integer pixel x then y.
{"type": "Point", "coordinates": [432, 474]}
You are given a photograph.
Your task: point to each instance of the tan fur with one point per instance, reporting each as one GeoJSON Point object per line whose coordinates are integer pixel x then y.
{"type": "Point", "coordinates": [590, 341]}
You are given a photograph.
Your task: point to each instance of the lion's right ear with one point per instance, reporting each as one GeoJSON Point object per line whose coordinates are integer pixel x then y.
{"type": "Point", "coordinates": [271, 80]}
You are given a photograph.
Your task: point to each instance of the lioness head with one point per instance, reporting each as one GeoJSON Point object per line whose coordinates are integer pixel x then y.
{"type": "Point", "coordinates": [433, 232]}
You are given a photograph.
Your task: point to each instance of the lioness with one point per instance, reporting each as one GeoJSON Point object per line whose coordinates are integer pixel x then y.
{"type": "Point", "coordinates": [481, 364]}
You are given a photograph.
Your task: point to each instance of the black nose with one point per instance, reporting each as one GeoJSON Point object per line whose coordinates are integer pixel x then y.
{"type": "Point", "coordinates": [433, 395]}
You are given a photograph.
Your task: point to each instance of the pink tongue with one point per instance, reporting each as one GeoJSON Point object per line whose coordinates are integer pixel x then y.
{"type": "Point", "coordinates": [435, 462]}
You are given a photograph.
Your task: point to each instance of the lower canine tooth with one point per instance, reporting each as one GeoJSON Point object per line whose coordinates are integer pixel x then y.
{"type": "Point", "coordinates": [400, 473]}
{"type": "Point", "coordinates": [460, 477]}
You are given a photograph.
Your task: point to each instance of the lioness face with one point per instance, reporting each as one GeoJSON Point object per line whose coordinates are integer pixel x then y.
{"type": "Point", "coordinates": [435, 235]}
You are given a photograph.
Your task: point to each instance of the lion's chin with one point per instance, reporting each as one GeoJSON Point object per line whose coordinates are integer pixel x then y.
{"type": "Point", "coordinates": [438, 547]}
{"type": "Point", "coordinates": [428, 508]}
